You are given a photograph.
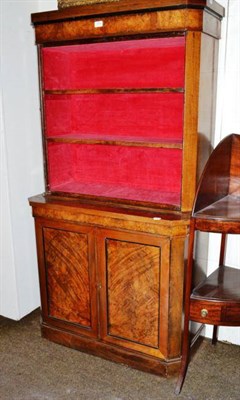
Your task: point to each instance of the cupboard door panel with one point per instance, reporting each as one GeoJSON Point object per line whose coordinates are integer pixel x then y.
{"type": "Point", "coordinates": [133, 273]}
{"type": "Point", "coordinates": [132, 286]}
{"type": "Point", "coordinates": [67, 275]}
{"type": "Point", "coordinates": [67, 272]}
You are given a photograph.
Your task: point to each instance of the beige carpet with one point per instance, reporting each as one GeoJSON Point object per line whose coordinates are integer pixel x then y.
{"type": "Point", "coordinates": [32, 368]}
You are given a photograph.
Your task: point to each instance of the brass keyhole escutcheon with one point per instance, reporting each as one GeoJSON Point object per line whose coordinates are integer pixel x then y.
{"type": "Point", "coordinates": [204, 313]}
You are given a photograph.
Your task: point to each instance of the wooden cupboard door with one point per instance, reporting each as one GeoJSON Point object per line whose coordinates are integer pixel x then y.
{"type": "Point", "coordinates": [68, 277]}
{"type": "Point", "coordinates": [133, 301]}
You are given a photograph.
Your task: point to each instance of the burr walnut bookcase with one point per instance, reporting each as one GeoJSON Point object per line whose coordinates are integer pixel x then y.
{"type": "Point", "coordinates": [127, 95]}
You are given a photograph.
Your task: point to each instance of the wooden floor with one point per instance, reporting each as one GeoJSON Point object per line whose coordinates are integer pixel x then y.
{"type": "Point", "coordinates": [32, 368]}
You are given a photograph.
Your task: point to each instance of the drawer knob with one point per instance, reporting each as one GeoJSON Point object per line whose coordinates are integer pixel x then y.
{"type": "Point", "coordinates": [204, 313]}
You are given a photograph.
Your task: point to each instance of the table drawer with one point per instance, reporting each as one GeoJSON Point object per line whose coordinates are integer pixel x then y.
{"type": "Point", "coordinates": [214, 312]}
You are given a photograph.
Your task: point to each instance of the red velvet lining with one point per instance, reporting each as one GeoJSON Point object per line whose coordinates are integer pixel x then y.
{"type": "Point", "coordinates": [158, 115]}
{"type": "Point", "coordinates": [136, 173]}
{"type": "Point", "coordinates": [157, 62]}
{"type": "Point", "coordinates": [125, 171]}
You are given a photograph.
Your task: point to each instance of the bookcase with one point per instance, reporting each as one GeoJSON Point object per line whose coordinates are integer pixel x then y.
{"type": "Point", "coordinates": [124, 87]}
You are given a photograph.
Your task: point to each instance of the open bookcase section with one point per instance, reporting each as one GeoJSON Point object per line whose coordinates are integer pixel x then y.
{"type": "Point", "coordinates": [113, 118]}
{"type": "Point", "coordinates": [129, 94]}
{"type": "Point", "coordinates": [154, 115]}
{"type": "Point", "coordinates": [143, 174]}
{"type": "Point", "coordinates": [145, 63]}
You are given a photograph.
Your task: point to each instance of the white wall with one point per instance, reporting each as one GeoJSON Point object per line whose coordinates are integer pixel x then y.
{"type": "Point", "coordinates": [21, 156]}
{"type": "Point", "coordinates": [227, 121]}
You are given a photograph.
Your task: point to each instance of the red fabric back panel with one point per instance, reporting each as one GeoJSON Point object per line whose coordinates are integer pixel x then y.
{"type": "Point", "coordinates": [141, 168]}
{"type": "Point", "coordinates": [136, 173]}
{"type": "Point", "coordinates": [157, 62]}
{"type": "Point", "coordinates": [61, 158]}
{"type": "Point", "coordinates": [155, 115]}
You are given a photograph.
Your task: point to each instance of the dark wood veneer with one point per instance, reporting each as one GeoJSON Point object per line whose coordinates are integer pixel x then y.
{"type": "Point", "coordinates": [216, 299]}
{"type": "Point", "coordinates": [124, 6]}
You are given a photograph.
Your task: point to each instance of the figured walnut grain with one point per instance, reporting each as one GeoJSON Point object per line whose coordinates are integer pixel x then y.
{"type": "Point", "coordinates": [66, 255]}
{"type": "Point", "coordinates": [133, 291]}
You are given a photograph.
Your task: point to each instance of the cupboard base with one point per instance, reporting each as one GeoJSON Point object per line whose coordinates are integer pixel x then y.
{"type": "Point", "coordinates": [111, 281]}
{"type": "Point", "coordinates": [111, 353]}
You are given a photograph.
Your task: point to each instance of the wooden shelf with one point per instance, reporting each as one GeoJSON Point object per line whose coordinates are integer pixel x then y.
{"type": "Point", "coordinates": [222, 284]}
{"type": "Point", "coordinates": [216, 300]}
{"type": "Point", "coordinates": [113, 91]}
{"type": "Point", "coordinates": [225, 209]}
{"type": "Point", "coordinates": [116, 140]}
{"type": "Point", "coordinates": [118, 192]}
